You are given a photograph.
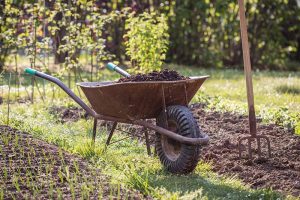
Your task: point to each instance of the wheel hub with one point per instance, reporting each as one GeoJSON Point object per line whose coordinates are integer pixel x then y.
{"type": "Point", "coordinates": [171, 147]}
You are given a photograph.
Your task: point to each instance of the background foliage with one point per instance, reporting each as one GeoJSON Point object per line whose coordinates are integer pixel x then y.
{"type": "Point", "coordinates": [147, 41]}
{"type": "Point", "coordinates": [203, 33]}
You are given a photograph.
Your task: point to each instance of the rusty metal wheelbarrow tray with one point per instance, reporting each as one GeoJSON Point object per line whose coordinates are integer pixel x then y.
{"type": "Point", "coordinates": [139, 100]}
{"type": "Point", "coordinates": [126, 93]}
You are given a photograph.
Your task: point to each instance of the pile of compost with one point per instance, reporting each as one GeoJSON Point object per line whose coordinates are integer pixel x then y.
{"type": "Point", "coordinates": [164, 75]}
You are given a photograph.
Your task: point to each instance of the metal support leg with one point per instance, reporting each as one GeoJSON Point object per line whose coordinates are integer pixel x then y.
{"type": "Point", "coordinates": [147, 142]}
{"type": "Point", "coordinates": [94, 130]}
{"type": "Point", "coordinates": [164, 107]}
{"type": "Point", "coordinates": [111, 133]}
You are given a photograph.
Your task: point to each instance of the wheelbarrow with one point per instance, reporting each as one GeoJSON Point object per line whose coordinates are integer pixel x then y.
{"type": "Point", "coordinates": [178, 136]}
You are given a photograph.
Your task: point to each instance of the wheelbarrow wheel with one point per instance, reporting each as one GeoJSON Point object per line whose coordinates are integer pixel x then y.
{"type": "Point", "coordinates": [177, 157]}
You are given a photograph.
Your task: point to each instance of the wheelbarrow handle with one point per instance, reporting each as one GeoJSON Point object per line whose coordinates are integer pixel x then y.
{"type": "Point", "coordinates": [113, 67]}
{"type": "Point", "coordinates": [62, 86]}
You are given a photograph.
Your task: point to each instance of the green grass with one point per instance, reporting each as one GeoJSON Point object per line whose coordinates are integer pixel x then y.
{"type": "Point", "coordinates": [127, 162]}
{"type": "Point", "coordinates": [276, 94]}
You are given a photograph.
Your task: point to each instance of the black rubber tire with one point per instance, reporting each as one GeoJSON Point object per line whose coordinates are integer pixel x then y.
{"type": "Point", "coordinates": [176, 157]}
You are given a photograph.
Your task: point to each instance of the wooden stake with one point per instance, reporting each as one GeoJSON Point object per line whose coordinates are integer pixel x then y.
{"type": "Point", "coordinates": [247, 68]}
{"type": "Point", "coordinates": [8, 99]}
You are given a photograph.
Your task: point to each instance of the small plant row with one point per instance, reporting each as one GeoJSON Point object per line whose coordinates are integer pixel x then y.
{"type": "Point", "coordinates": [34, 169]}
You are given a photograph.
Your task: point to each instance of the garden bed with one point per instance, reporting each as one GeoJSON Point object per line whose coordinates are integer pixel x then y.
{"type": "Point", "coordinates": [281, 172]}
{"type": "Point", "coordinates": [31, 168]}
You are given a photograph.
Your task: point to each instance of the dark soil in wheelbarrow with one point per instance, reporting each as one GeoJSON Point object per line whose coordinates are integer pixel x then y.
{"type": "Point", "coordinates": [164, 75]}
{"type": "Point", "coordinates": [33, 169]}
{"type": "Point", "coordinates": [281, 172]}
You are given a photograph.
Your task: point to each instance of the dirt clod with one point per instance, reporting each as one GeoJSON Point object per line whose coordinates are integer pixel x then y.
{"type": "Point", "coordinates": [260, 160]}
{"type": "Point", "coordinates": [65, 114]}
{"type": "Point", "coordinates": [164, 75]}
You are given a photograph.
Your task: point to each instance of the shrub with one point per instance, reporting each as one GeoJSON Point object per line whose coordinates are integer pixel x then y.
{"type": "Point", "coordinates": [147, 41]}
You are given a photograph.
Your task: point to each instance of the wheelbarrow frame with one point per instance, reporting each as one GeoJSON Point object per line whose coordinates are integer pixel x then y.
{"type": "Point", "coordinates": [96, 116]}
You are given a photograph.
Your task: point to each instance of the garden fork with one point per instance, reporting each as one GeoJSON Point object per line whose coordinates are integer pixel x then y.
{"type": "Point", "coordinates": [250, 97]}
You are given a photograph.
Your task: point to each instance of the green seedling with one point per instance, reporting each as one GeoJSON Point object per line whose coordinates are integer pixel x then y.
{"type": "Point", "coordinates": [72, 189]}
{"type": "Point", "coordinates": [27, 175]}
{"type": "Point", "coordinates": [61, 157]}
{"type": "Point", "coordinates": [5, 173]}
{"type": "Point", "coordinates": [51, 190]}
{"type": "Point", "coordinates": [76, 166]}
{"type": "Point", "coordinates": [59, 194]}
{"type": "Point", "coordinates": [111, 196]}
{"type": "Point", "coordinates": [21, 149]}
{"type": "Point", "coordinates": [15, 181]}
{"type": "Point", "coordinates": [119, 192]}
{"type": "Point", "coordinates": [32, 151]}
{"type": "Point", "coordinates": [1, 193]}
{"type": "Point", "coordinates": [85, 191]}
{"type": "Point", "coordinates": [67, 173]}
{"type": "Point", "coordinates": [60, 175]}
{"type": "Point", "coordinates": [12, 196]}
{"type": "Point", "coordinates": [5, 139]}
{"type": "Point", "coordinates": [99, 192]}
{"type": "Point", "coordinates": [16, 142]}
{"type": "Point", "coordinates": [27, 142]}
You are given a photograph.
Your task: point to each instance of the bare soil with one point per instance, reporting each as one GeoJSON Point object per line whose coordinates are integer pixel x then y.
{"type": "Point", "coordinates": [164, 75]}
{"type": "Point", "coordinates": [33, 169]}
{"type": "Point", "coordinates": [281, 172]}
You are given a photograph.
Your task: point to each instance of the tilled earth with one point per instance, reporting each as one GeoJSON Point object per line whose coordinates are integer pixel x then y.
{"type": "Point", "coordinates": [33, 169]}
{"type": "Point", "coordinates": [281, 172]}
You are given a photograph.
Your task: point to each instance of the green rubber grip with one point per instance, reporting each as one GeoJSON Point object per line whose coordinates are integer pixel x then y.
{"type": "Point", "coordinates": [111, 66]}
{"type": "Point", "coordinates": [30, 71]}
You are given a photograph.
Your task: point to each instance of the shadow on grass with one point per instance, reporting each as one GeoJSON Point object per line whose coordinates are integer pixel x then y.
{"type": "Point", "coordinates": [288, 89]}
{"type": "Point", "coordinates": [210, 186]}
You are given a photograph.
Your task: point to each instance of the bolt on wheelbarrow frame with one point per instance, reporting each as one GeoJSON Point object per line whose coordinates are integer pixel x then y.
{"type": "Point", "coordinates": [96, 116]}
